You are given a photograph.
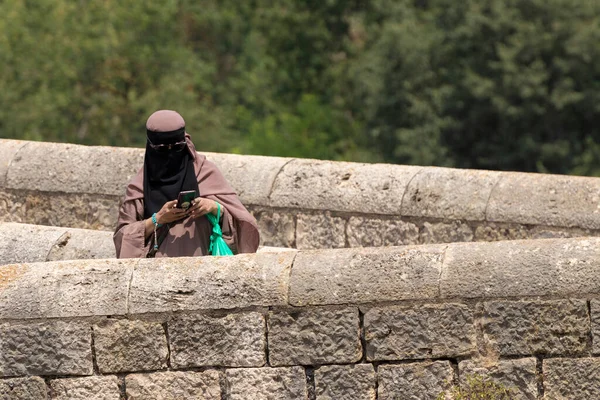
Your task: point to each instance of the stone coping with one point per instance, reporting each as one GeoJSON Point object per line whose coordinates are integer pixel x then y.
{"type": "Point", "coordinates": [25, 243]}
{"type": "Point", "coordinates": [360, 276]}
{"type": "Point", "coordinates": [286, 183]}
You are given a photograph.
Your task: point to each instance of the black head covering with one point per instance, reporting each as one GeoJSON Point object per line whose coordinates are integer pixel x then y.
{"type": "Point", "coordinates": [166, 171]}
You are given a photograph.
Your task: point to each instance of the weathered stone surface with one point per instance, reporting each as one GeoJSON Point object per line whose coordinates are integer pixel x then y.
{"type": "Point", "coordinates": [416, 332]}
{"type": "Point", "coordinates": [173, 386]}
{"type": "Point", "coordinates": [595, 318]}
{"type": "Point", "coordinates": [414, 381]}
{"type": "Point", "coordinates": [276, 228]}
{"type": "Point", "coordinates": [70, 168]}
{"type": "Point", "coordinates": [342, 186]}
{"type": "Point", "coordinates": [449, 193]}
{"type": "Point", "coordinates": [550, 201]}
{"type": "Point", "coordinates": [518, 376]}
{"type": "Point", "coordinates": [366, 275]}
{"type": "Point", "coordinates": [123, 346]}
{"type": "Point", "coordinates": [65, 288]}
{"type": "Point", "coordinates": [267, 384]}
{"type": "Point", "coordinates": [543, 232]}
{"type": "Point", "coordinates": [30, 388]}
{"type": "Point", "coordinates": [46, 348]}
{"type": "Point", "coordinates": [269, 249]}
{"type": "Point", "coordinates": [83, 244]}
{"type": "Point", "coordinates": [356, 382]}
{"type": "Point", "coordinates": [556, 267]}
{"type": "Point", "coordinates": [320, 231]}
{"type": "Point", "coordinates": [374, 232]}
{"type": "Point", "coordinates": [493, 232]}
{"type": "Point", "coordinates": [9, 150]}
{"type": "Point", "coordinates": [314, 336]}
{"type": "Point", "coordinates": [553, 327]}
{"type": "Point", "coordinates": [197, 283]}
{"type": "Point", "coordinates": [26, 243]}
{"type": "Point", "coordinates": [89, 388]}
{"type": "Point", "coordinates": [573, 379]}
{"type": "Point", "coordinates": [442, 232]}
{"type": "Point", "coordinates": [252, 177]}
{"type": "Point", "coordinates": [75, 210]}
{"type": "Point", "coordinates": [235, 340]}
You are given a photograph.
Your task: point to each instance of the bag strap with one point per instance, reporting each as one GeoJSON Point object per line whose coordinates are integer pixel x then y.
{"type": "Point", "coordinates": [163, 234]}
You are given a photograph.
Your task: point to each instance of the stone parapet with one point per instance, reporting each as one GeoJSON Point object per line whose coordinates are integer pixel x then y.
{"type": "Point", "coordinates": [512, 269]}
{"type": "Point", "coordinates": [25, 243]}
{"type": "Point", "coordinates": [310, 204]}
{"type": "Point", "coordinates": [306, 324]}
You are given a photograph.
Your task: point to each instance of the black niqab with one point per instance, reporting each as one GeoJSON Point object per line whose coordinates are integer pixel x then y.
{"type": "Point", "coordinates": [168, 172]}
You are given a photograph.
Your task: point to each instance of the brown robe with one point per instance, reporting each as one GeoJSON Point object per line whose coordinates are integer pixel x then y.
{"type": "Point", "coordinates": [187, 237]}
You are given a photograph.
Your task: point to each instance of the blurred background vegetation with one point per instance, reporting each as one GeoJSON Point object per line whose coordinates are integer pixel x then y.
{"type": "Point", "coordinates": [494, 84]}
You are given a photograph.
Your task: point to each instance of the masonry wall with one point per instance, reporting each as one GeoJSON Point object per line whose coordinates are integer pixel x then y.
{"type": "Point", "coordinates": [308, 204]}
{"type": "Point", "coordinates": [389, 323]}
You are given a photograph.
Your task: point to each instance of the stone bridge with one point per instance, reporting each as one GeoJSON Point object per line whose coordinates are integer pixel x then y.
{"type": "Point", "coordinates": [386, 282]}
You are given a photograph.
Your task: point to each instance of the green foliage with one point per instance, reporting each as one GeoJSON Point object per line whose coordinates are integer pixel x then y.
{"type": "Point", "coordinates": [497, 84]}
{"type": "Point", "coordinates": [477, 388]}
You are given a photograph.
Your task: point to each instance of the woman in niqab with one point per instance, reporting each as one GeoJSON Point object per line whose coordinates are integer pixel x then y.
{"type": "Point", "coordinates": [150, 225]}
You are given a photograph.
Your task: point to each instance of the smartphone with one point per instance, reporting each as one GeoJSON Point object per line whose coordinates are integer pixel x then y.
{"type": "Point", "coordinates": [184, 200]}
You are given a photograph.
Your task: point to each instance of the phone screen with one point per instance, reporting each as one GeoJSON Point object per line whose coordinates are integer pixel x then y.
{"type": "Point", "coordinates": [184, 200]}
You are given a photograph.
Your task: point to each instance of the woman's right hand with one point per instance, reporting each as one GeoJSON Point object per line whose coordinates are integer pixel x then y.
{"type": "Point", "coordinates": [169, 213]}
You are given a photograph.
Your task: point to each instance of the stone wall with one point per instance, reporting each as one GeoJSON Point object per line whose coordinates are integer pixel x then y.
{"type": "Point", "coordinates": [389, 323]}
{"type": "Point", "coordinates": [309, 204]}
{"type": "Point", "coordinates": [24, 243]}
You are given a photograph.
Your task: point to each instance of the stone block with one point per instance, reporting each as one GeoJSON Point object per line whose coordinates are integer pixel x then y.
{"type": "Point", "coordinates": [322, 231]}
{"type": "Point", "coordinates": [174, 386]}
{"type": "Point", "coordinates": [426, 380]}
{"type": "Point", "coordinates": [30, 388]}
{"type": "Point", "coordinates": [342, 186]}
{"type": "Point", "coordinates": [447, 193]}
{"type": "Point", "coordinates": [200, 283]}
{"type": "Point", "coordinates": [364, 275]}
{"type": "Point", "coordinates": [356, 382]}
{"type": "Point", "coordinates": [9, 150]}
{"type": "Point", "coordinates": [519, 376]}
{"type": "Point", "coordinates": [374, 232]}
{"type": "Point", "coordinates": [89, 388]}
{"type": "Point", "coordinates": [71, 168]}
{"type": "Point", "coordinates": [443, 232]}
{"type": "Point", "coordinates": [576, 378]}
{"type": "Point", "coordinates": [20, 243]}
{"type": "Point", "coordinates": [552, 327]}
{"type": "Point", "coordinates": [543, 232]}
{"type": "Point", "coordinates": [86, 211]}
{"type": "Point", "coordinates": [65, 288]}
{"type": "Point", "coordinates": [417, 332]}
{"type": "Point", "coordinates": [314, 336]}
{"type": "Point", "coordinates": [233, 340]}
{"type": "Point", "coordinates": [123, 346]}
{"type": "Point", "coordinates": [45, 348]}
{"type": "Point", "coordinates": [252, 177]}
{"type": "Point", "coordinates": [267, 384]}
{"type": "Point", "coordinates": [83, 244]}
{"type": "Point", "coordinates": [546, 267]}
{"type": "Point", "coordinates": [494, 231]}
{"type": "Point", "coordinates": [550, 200]}
{"type": "Point", "coordinates": [276, 228]}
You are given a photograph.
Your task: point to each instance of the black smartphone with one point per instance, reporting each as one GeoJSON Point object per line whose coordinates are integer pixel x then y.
{"type": "Point", "coordinates": [184, 200]}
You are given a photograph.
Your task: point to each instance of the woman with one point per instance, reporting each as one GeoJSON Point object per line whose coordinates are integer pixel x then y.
{"type": "Point", "coordinates": [150, 224]}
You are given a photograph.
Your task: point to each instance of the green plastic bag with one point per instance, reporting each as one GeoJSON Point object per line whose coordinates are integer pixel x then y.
{"type": "Point", "coordinates": [217, 246]}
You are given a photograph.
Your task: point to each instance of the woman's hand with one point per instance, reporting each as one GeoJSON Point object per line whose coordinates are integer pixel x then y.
{"type": "Point", "coordinates": [169, 213]}
{"type": "Point", "coordinates": [202, 206]}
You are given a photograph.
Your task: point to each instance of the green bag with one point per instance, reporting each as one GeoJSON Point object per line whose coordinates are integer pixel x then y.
{"type": "Point", "coordinates": [217, 246]}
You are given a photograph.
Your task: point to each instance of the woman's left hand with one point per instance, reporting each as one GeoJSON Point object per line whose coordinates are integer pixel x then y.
{"type": "Point", "coordinates": [202, 206]}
